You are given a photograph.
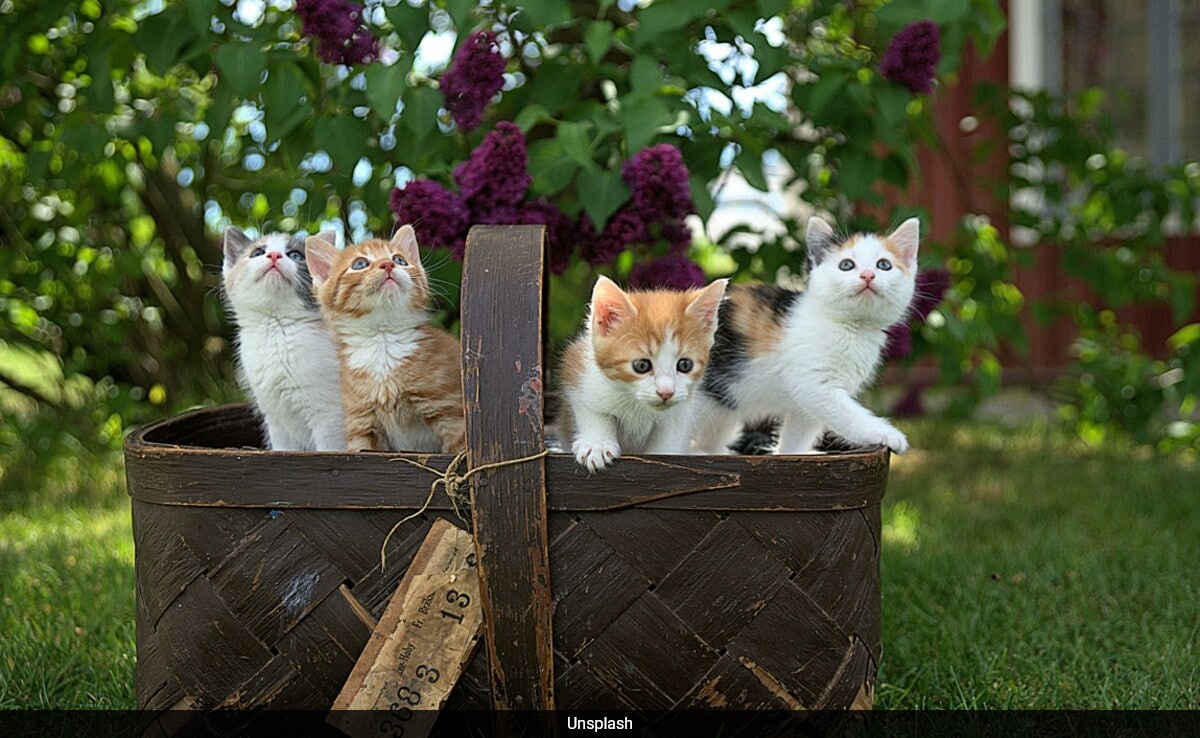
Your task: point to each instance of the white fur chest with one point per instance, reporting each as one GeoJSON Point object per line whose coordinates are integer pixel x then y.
{"type": "Point", "coordinates": [380, 353]}
{"type": "Point", "coordinates": [831, 352]}
{"type": "Point", "coordinates": [280, 354]}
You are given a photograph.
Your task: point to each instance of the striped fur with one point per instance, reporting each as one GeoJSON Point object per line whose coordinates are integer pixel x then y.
{"type": "Point", "coordinates": [400, 377]}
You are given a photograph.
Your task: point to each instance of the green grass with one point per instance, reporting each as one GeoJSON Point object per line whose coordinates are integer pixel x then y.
{"type": "Point", "coordinates": [67, 608]}
{"type": "Point", "coordinates": [1020, 570]}
{"type": "Point", "coordinates": [1025, 570]}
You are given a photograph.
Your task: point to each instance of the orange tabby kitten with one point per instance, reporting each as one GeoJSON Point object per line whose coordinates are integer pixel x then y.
{"type": "Point", "coordinates": [629, 379]}
{"type": "Point", "coordinates": [401, 382]}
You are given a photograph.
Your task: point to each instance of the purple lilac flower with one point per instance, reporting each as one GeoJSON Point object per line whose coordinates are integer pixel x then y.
{"type": "Point", "coordinates": [438, 215]}
{"type": "Point", "coordinates": [677, 234]}
{"type": "Point", "coordinates": [473, 79]}
{"type": "Point", "coordinates": [930, 290]}
{"type": "Point", "coordinates": [673, 271]}
{"type": "Point", "coordinates": [497, 173]}
{"type": "Point", "coordinates": [912, 57]}
{"type": "Point", "coordinates": [899, 341]}
{"type": "Point", "coordinates": [338, 28]}
{"type": "Point", "coordinates": [659, 181]}
{"type": "Point", "coordinates": [624, 228]}
{"type": "Point", "coordinates": [909, 405]}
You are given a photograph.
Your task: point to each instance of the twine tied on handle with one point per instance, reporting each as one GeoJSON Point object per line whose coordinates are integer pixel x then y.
{"type": "Point", "coordinates": [455, 485]}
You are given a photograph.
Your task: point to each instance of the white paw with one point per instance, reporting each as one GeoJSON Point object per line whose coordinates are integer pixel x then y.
{"type": "Point", "coordinates": [893, 439]}
{"type": "Point", "coordinates": [595, 454]}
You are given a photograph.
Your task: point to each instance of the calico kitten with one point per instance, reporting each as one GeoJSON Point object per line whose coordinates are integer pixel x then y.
{"type": "Point", "coordinates": [628, 380]}
{"type": "Point", "coordinates": [805, 356]}
{"type": "Point", "coordinates": [285, 351]}
{"type": "Point", "coordinates": [400, 376]}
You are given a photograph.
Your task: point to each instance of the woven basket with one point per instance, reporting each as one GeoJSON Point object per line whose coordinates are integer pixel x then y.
{"type": "Point", "coordinates": [662, 583]}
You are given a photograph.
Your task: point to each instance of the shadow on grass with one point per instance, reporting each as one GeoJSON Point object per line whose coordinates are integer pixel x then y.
{"type": "Point", "coordinates": [1022, 569]}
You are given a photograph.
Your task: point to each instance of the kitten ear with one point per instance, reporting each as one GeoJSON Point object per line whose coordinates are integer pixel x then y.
{"type": "Point", "coordinates": [705, 306]}
{"type": "Point", "coordinates": [819, 239]}
{"type": "Point", "coordinates": [234, 244]}
{"type": "Point", "coordinates": [907, 238]}
{"type": "Point", "coordinates": [319, 254]}
{"type": "Point", "coordinates": [405, 241]}
{"type": "Point", "coordinates": [610, 306]}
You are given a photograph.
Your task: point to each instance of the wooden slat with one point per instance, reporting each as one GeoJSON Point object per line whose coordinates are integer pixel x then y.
{"type": "Point", "coordinates": [502, 388]}
{"type": "Point", "coordinates": [217, 477]}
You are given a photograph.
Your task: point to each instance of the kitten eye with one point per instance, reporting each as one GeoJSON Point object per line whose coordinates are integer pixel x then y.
{"type": "Point", "coordinates": [257, 252]}
{"type": "Point", "coordinates": [684, 365]}
{"type": "Point", "coordinates": [641, 366]}
{"type": "Point", "coordinates": [846, 265]}
{"type": "Point", "coordinates": [359, 263]}
{"type": "Point", "coordinates": [400, 260]}
{"type": "Point", "coordinates": [296, 255]}
{"type": "Point", "coordinates": [883, 265]}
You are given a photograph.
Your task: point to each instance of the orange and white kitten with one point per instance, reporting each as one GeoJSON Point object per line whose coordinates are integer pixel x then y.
{"type": "Point", "coordinates": [628, 380]}
{"type": "Point", "coordinates": [401, 383]}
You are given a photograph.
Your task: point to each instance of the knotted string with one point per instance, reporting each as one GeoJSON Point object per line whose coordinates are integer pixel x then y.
{"type": "Point", "coordinates": [454, 484]}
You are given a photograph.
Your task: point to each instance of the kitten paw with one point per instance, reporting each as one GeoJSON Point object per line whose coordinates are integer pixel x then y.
{"type": "Point", "coordinates": [895, 440]}
{"type": "Point", "coordinates": [594, 455]}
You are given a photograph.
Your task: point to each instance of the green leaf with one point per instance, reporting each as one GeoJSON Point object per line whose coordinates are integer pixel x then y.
{"type": "Point", "coordinates": [162, 38]}
{"type": "Point", "coordinates": [461, 12]}
{"type": "Point", "coordinates": [199, 14]}
{"type": "Point", "coordinates": [101, 89]}
{"type": "Point", "coordinates": [547, 13]}
{"type": "Point", "coordinates": [771, 59]}
{"type": "Point", "coordinates": [664, 17]}
{"type": "Point", "coordinates": [556, 84]}
{"type": "Point", "coordinates": [530, 116]}
{"type": "Point", "coordinates": [550, 167]}
{"type": "Point", "coordinates": [749, 163]}
{"type": "Point", "coordinates": [645, 75]}
{"type": "Point", "coordinates": [857, 172]}
{"type": "Point", "coordinates": [241, 66]}
{"type": "Point", "coordinates": [598, 39]}
{"type": "Point", "coordinates": [420, 111]}
{"type": "Point", "coordinates": [411, 23]}
{"type": "Point", "coordinates": [385, 85]}
{"type": "Point", "coordinates": [601, 193]}
{"type": "Point", "coordinates": [819, 95]}
{"type": "Point", "coordinates": [574, 139]}
{"type": "Point", "coordinates": [281, 95]}
{"type": "Point", "coordinates": [772, 8]}
{"type": "Point", "coordinates": [641, 117]}
{"type": "Point", "coordinates": [702, 198]}
{"type": "Point", "coordinates": [1185, 336]}
{"type": "Point", "coordinates": [345, 138]}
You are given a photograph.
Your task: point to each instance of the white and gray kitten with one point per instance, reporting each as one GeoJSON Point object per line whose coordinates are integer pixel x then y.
{"type": "Point", "coordinates": [805, 356]}
{"type": "Point", "coordinates": [286, 354]}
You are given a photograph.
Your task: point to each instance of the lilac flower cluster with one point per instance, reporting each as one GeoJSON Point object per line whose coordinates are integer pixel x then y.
{"type": "Point", "coordinates": [912, 56]}
{"type": "Point", "coordinates": [492, 186]}
{"type": "Point", "coordinates": [660, 200]}
{"type": "Point", "coordinates": [931, 288]}
{"type": "Point", "coordinates": [497, 173]}
{"type": "Point", "coordinates": [337, 25]}
{"type": "Point", "coordinates": [475, 76]}
{"type": "Point", "coordinates": [438, 216]}
{"type": "Point", "coordinates": [673, 271]}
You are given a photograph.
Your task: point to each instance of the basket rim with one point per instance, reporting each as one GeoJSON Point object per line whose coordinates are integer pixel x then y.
{"type": "Point", "coordinates": [162, 472]}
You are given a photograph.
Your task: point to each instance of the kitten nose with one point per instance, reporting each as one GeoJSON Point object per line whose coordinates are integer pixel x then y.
{"type": "Point", "coordinates": [666, 394]}
{"type": "Point", "coordinates": [274, 256]}
{"type": "Point", "coordinates": [387, 266]}
{"type": "Point", "coordinates": [867, 275]}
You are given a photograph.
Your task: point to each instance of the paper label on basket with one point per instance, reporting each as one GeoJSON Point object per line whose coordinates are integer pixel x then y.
{"type": "Point", "coordinates": [417, 652]}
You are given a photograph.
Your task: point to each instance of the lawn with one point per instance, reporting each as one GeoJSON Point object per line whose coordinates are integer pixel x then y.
{"type": "Point", "coordinates": [1020, 570]}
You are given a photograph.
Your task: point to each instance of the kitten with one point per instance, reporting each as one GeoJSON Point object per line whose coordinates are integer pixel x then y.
{"type": "Point", "coordinates": [805, 356]}
{"type": "Point", "coordinates": [628, 380]}
{"type": "Point", "coordinates": [400, 376]}
{"type": "Point", "coordinates": [285, 351]}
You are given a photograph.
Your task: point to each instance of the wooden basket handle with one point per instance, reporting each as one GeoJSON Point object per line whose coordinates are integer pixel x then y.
{"type": "Point", "coordinates": [502, 290]}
